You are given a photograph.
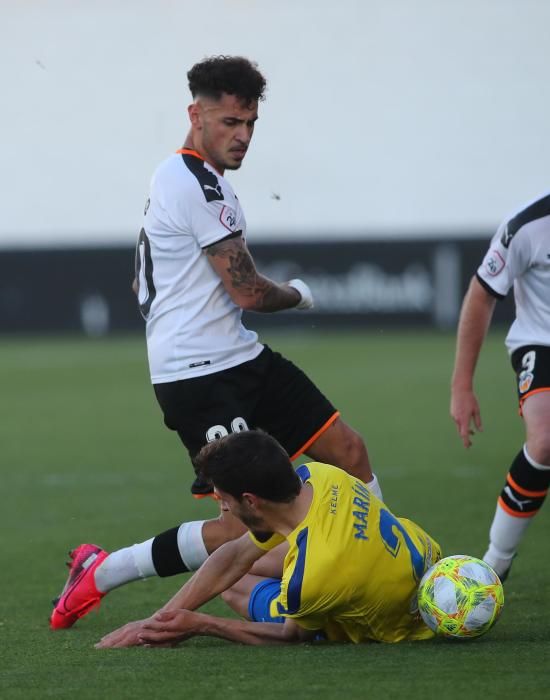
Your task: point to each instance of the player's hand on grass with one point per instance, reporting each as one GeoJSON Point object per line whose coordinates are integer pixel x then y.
{"type": "Point", "coordinates": [168, 628]}
{"type": "Point", "coordinates": [126, 636]}
{"type": "Point", "coordinates": [465, 413]}
{"type": "Point", "coordinates": [306, 301]}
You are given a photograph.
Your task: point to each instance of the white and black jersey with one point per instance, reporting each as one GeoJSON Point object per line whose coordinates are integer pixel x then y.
{"type": "Point", "coordinates": [193, 326]}
{"type": "Point", "coordinates": [519, 255]}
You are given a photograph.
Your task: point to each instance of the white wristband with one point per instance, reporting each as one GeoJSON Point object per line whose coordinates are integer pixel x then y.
{"type": "Point", "coordinates": [306, 301]}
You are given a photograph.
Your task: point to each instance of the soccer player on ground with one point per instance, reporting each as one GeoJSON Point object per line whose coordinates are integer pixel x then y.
{"type": "Point", "coordinates": [519, 255]}
{"type": "Point", "coordinates": [350, 573]}
{"type": "Point", "coordinates": [211, 376]}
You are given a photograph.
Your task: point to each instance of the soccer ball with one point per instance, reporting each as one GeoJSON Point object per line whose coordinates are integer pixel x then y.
{"type": "Point", "coordinates": [460, 596]}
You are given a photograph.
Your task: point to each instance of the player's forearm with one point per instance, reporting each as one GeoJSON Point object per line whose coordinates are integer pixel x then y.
{"type": "Point", "coordinates": [475, 319]}
{"type": "Point", "coordinates": [278, 296]}
{"type": "Point", "coordinates": [220, 571]}
{"type": "Point", "coordinates": [243, 631]}
{"type": "Point", "coordinates": [249, 289]}
{"type": "Point", "coordinates": [267, 296]}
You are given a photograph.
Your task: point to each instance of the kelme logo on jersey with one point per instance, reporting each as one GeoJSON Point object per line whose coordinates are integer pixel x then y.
{"type": "Point", "coordinates": [228, 218]}
{"type": "Point", "coordinates": [494, 263]}
{"type": "Point", "coordinates": [525, 381]}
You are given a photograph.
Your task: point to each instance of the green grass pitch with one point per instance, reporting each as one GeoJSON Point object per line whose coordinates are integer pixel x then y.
{"type": "Point", "coordinates": [85, 457]}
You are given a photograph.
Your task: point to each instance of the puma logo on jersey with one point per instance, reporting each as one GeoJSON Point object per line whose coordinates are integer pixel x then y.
{"type": "Point", "coordinates": [210, 186]}
{"type": "Point", "coordinates": [520, 504]}
{"type": "Point", "coordinates": [507, 236]}
{"type": "Point", "coordinates": [217, 189]}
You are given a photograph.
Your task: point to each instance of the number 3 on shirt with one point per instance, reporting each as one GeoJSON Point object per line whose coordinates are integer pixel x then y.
{"type": "Point", "coordinates": [392, 531]}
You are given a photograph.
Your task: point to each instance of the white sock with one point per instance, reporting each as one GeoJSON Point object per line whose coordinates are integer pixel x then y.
{"type": "Point", "coordinates": [504, 537]}
{"type": "Point", "coordinates": [507, 531]}
{"type": "Point", "coordinates": [374, 486]}
{"type": "Point", "coordinates": [125, 565]}
{"type": "Point", "coordinates": [191, 545]}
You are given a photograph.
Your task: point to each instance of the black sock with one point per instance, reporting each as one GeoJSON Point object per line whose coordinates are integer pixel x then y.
{"type": "Point", "coordinates": [525, 489]}
{"type": "Point", "coordinates": [166, 554]}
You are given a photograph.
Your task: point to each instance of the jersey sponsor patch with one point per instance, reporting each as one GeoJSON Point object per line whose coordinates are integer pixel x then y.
{"type": "Point", "coordinates": [494, 263]}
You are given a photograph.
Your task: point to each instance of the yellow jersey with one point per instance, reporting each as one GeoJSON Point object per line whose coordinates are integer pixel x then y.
{"type": "Point", "coordinates": [352, 569]}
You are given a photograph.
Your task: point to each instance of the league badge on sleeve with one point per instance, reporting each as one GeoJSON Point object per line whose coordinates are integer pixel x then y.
{"type": "Point", "coordinates": [494, 263]}
{"type": "Point", "coordinates": [228, 218]}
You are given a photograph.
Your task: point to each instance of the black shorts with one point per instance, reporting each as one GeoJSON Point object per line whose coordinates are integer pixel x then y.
{"type": "Point", "coordinates": [268, 392]}
{"type": "Point", "coordinates": [531, 364]}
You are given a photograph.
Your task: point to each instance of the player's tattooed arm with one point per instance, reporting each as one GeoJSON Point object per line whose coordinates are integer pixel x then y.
{"type": "Point", "coordinates": [249, 289]}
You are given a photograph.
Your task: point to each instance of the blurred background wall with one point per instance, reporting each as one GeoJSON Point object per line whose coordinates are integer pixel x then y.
{"type": "Point", "coordinates": [417, 123]}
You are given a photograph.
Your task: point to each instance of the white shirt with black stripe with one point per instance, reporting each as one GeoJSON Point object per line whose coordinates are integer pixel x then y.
{"type": "Point", "coordinates": [519, 255]}
{"type": "Point", "coordinates": [192, 325]}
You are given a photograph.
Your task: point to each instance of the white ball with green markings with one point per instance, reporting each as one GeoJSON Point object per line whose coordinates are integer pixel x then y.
{"type": "Point", "coordinates": [460, 596]}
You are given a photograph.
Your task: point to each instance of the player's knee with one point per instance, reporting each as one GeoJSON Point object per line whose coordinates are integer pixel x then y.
{"type": "Point", "coordinates": [220, 530]}
{"type": "Point", "coordinates": [236, 600]}
{"type": "Point", "coordinates": [344, 447]}
{"type": "Point", "coordinates": [353, 448]}
{"type": "Point", "coordinates": [228, 596]}
{"type": "Point", "coordinates": [351, 454]}
{"type": "Point", "coordinates": [538, 448]}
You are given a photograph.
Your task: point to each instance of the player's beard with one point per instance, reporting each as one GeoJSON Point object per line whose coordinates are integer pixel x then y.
{"type": "Point", "coordinates": [235, 164]}
{"type": "Point", "coordinates": [221, 157]}
{"type": "Point", "coordinates": [252, 522]}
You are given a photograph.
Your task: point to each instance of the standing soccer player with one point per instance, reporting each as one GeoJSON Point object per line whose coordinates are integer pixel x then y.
{"type": "Point", "coordinates": [211, 375]}
{"type": "Point", "coordinates": [519, 255]}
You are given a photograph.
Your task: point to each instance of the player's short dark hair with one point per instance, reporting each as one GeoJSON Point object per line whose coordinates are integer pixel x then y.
{"type": "Point", "coordinates": [233, 75]}
{"type": "Point", "coordinates": [249, 462]}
